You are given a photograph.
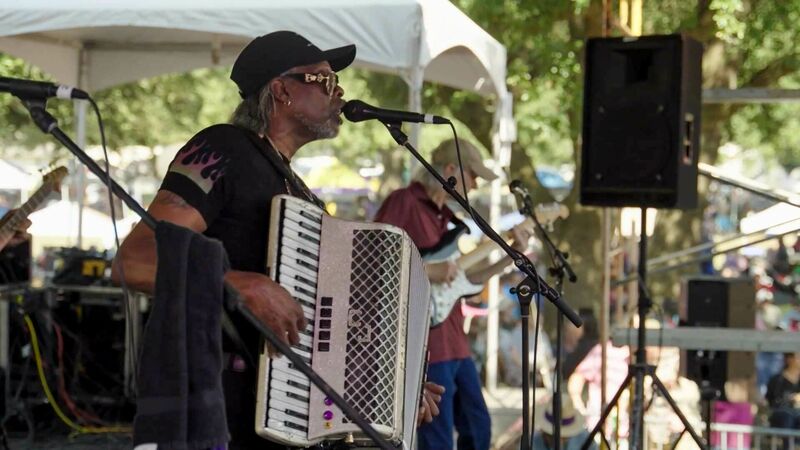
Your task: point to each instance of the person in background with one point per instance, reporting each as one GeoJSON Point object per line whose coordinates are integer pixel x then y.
{"type": "Point", "coordinates": [768, 315]}
{"type": "Point", "coordinates": [510, 342]}
{"type": "Point", "coordinates": [783, 394]}
{"type": "Point", "coordinates": [663, 424]}
{"type": "Point", "coordinates": [780, 261]}
{"type": "Point", "coordinates": [573, 430]}
{"type": "Point", "coordinates": [421, 211]}
{"type": "Point", "coordinates": [587, 376]}
{"type": "Point", "coordinates": [791, 318]}
{"type": "Point", "coordinates": [589, 336]}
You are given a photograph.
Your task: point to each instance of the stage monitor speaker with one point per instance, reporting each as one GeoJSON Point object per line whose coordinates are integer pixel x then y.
{"type": "Point", "coordinates": [708, 301]}
{"type": "Point", "coordinates": [641, 122]}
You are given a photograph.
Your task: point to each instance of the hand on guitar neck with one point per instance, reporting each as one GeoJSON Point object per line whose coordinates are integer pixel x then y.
{"type": "Point", "coordinates": [14, 225]}
{"type": "Point", "coordinates": [15, 235]}
{"type": "Point", "coordinates": [450, 281]}
{"type": "Point", "coordinates": [520, 236]}
{"type": "Point", "coordinates": [454, 276]}
{"type": "Point", "coordinates": [446, 271]}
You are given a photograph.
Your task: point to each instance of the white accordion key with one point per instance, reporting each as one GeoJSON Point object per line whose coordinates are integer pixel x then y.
{"type": "Point", "coordinates": [292, 391]}
{"type": "Point", "coordinates": [288, 418]}
{"type": "Point", "coordinates": [284, 403]}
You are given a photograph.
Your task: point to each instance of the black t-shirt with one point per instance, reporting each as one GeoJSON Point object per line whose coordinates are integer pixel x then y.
{"type": "Point", "coordinates": [228, 179]}
{"type": "Point", "coordinates": [230, 176]}
{"type": "Point", "coordinates": [780, 392]}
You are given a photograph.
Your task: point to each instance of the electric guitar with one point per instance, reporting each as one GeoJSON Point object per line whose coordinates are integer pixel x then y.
{"type": "Point", "coordinates": [50, 183]}
{"type": "Point", "coordinates": [443, 295]}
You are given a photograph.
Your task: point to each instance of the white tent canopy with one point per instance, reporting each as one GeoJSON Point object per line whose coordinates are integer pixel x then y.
{"type": "Point", "coordinates": [777, 219]}
{"type": "Point", "coordinates": [97, 45]}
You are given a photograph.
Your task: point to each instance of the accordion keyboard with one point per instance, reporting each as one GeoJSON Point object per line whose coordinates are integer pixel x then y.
{"type": "Point", "coordinates": [299, 258]}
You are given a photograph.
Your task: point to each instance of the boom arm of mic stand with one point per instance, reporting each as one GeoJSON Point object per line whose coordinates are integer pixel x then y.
{"type": "Point", "coordinates": [48, 124]}
{"type": "Point", "coordinates": [520, 260]}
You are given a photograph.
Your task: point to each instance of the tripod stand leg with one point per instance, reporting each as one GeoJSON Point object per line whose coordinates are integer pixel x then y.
{"type": "Point", "coordinates": [697, 439]}
{"type": "Point", "coordinates": [675, 444]}
{"type": "Point", "coordinates": [708, 408]}
{"type": "Point", "coordinates": [607, 411]}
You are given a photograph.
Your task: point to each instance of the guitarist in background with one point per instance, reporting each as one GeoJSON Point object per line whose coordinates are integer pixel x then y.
{"type": "Point", "coordinates": [420, 210]}
{"type": "Point", "coordinates": [19, 234]}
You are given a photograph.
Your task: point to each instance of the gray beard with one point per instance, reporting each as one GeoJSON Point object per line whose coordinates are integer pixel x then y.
{"type": "Point", "coordinates": [324, 130]}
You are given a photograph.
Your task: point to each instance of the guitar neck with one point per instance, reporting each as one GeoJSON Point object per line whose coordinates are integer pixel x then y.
{"type": "Point", "coordinates": [11, 221]}
{"type": "Point", "coordinates": [482, 251]}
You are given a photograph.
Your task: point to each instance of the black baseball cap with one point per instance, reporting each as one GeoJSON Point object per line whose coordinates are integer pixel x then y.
{"type": "Point", "coordinates": [272, 54]}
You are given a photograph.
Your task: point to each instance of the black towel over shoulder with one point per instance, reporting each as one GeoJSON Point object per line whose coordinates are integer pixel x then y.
{"type": "Point", "coordinates": [181, 403]}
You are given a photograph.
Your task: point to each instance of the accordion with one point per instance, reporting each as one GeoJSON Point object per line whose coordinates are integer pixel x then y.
{"type": "Point", "coordinates": [366, 298]}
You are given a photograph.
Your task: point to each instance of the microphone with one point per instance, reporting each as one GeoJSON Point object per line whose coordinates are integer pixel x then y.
{"type": "Point", "coordinates": [27, 89]}
{"type": "Point", "coordinates": [356, 111]}
{"type": "Point", "coordinates": [516, 187]}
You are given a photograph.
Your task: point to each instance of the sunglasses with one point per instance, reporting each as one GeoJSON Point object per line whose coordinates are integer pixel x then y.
{"type": "Point", "coordinates": [327, 80]}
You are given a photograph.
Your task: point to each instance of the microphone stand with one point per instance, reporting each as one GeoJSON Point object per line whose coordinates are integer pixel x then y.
{"type": "Point", "coordinates": [525, 290]}
{"type": "Point", "coordinates": [233, 301]}
{"type": "Point", "coordinates": [560, 268]}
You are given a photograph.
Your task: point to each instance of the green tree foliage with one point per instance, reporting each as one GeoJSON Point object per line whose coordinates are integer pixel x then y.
{"type": "Point", "coordinates": [748, 43]}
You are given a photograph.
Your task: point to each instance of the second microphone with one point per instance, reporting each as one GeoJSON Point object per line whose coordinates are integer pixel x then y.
{"type": "Point", "coordinates": [356, 111]}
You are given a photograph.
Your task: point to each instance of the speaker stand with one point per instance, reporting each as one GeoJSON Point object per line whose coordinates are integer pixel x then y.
{"type": "Point", "coordinates": [638, 370]}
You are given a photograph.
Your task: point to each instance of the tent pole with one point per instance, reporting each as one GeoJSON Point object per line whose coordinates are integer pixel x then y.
{"type": "Point", "coordinates": [605, 304]}
{"type": "Point", "coordinates": [80, 173]}
{"type": "Point", "coordinates": [414, 82]}
{"type": "Point", "coordinates": [503, 135]}
{"type": "Point", "coordinates": [80, 138]}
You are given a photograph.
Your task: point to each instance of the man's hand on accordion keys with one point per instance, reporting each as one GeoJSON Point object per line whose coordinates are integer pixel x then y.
{"type": "Point", "coordinates": [271, 303]}
{"type": "Point", "coordinates": [429, 407]}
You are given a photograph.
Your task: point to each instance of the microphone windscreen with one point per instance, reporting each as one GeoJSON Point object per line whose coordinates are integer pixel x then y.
{"type": "Point", "coordinates": [353, 110]}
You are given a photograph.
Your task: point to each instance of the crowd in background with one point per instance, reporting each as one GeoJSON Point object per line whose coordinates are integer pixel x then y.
{"type": "Point", "coordinates": [776, 276]}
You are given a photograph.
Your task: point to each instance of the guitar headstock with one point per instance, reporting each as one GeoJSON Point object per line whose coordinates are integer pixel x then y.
{"type": "Point", "coordinates": [550, 212]}
{"type": "Point", "coordinates": [546, 214]}
{"type": "Point", "coordinates": [55, 177]}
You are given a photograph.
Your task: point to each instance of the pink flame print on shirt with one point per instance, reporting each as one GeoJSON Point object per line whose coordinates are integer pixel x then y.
{"type": "Point", "coordinates": [201, 164]}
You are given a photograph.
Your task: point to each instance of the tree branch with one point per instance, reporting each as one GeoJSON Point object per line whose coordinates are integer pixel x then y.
{"type": "Point", "coordinates": [776, 69]}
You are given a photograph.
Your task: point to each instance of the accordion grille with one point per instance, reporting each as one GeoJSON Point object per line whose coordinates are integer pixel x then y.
{"type": "Point", "coordinates": [371, 357]}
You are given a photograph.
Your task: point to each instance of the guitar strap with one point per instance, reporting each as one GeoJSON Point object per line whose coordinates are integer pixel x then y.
{"type": "Point", "coordinates": [447, 238]}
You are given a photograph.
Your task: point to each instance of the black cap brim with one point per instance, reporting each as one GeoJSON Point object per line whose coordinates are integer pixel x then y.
{"type": "Point", "coordinates": [340, 57]}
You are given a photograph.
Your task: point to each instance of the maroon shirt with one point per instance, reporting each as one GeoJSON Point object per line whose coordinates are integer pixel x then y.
{"type": "Point", "coordinates": [412, 210]}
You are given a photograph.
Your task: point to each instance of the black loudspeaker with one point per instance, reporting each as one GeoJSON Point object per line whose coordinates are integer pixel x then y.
{"type": "Point", "coordinates": [641, 122]}
{"type": "Point", "coordinates": [708, 301]}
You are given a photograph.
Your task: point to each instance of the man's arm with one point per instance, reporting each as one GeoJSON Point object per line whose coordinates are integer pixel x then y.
{"type": "Point", "coordinates": [137, 254]}
{"type": "Point", "coordinates": [575, 385]}
{"type": "Point", "coordinates": [137, 261]}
